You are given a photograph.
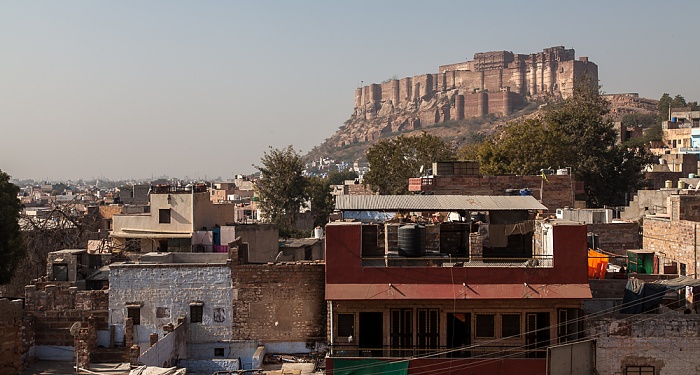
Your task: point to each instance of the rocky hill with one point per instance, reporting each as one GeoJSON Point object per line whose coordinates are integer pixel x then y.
{"type": "Point", "coordinates": [464, 101]}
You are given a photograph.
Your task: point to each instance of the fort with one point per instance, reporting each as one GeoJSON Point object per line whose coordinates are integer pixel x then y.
{"type": "Point", "coordinates": [494, 83]}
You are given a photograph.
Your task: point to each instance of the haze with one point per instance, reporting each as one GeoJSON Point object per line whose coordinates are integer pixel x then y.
{"type": "Point", "coordinates": [133, 89]}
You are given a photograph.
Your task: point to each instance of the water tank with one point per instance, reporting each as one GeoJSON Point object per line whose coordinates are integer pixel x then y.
{"type": "Point", "coordinates": [525, 192]}
{"type": "Point", "coordinates": [674, 119]}
{"type": "Point", "coordinates": [412, 240]}
{"type": "Point", "coordinates": [318, 232]}
{"type": "Point", "coordinates": [511, 191]}
{"type": "Point", "coordinates": [681, 184]}
{"type": "Point", "coordinates": [691, 175]}
{"type": "Point", "coordinates": [668, 184]}
{"type": "Point", "coordinates": [562, 172]}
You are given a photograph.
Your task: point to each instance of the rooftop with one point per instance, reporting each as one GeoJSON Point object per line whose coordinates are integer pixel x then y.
{"type": "Point", "coordinates": [436, 203]}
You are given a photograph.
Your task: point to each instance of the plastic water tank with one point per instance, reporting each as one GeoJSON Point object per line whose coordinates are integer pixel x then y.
{"type": "Point", "coordinates": [525, 192]}
{"type": "Point", "coordinates": [412, 240]}
{"type": "Point", "coordinates": [668, 184]}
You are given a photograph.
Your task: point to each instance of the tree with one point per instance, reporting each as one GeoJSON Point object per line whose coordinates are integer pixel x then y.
{"type": "Point", "coordinates": [572, 133]}
{"type": "Point", "coordinates": [281, 186]}
{"type": "Point", "coordinates": [394, 161]}
{"type": "Point", "coordinates": [322, 203]}
{"type": "Point", "coordinates": [339, 177]}
{"type": "Point", "coordinates": [12, 248]}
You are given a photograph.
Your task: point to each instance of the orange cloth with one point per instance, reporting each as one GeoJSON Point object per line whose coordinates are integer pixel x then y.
{"type": "Point", "coordinates": [597, 264]}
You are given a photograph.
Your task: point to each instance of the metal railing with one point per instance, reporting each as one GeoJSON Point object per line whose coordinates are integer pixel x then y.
{"type": "Point", "coordinates": [536, 261]}
{"type": "Point", "coordinates": [510, 351]}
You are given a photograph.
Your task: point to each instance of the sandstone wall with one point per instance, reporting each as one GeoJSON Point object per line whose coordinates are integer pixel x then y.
{"type": "Point", "coordinates": [678, 240]}
{"type": "Point", "coordinates": [279, 302]}
{"type": "Point", "coordinates": [55, 307]}
{"type": "Point", "coordinates": [10, 336]}
{"type": "Point", "coordinates": [667, 342]}
{"type": "Point", "coordinates": [617, 237]}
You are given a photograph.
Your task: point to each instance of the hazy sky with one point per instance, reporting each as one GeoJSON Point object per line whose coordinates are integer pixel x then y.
{"type": "Point", "coordinates": [130, 89]}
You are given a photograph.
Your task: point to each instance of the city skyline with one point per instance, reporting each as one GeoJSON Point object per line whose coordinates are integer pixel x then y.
{"type": "Point", "coordinates": [128, 90]}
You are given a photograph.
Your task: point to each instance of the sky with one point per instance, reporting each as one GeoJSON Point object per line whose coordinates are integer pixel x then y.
{"type": "Point", "coordinates": [132, 89]}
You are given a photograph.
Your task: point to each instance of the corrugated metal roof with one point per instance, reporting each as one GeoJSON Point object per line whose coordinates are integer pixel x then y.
{"type": "Point", "coordinates": [436, 203]}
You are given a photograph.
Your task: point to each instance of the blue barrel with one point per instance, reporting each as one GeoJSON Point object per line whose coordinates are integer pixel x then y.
{"type": "Point", "coordinates": [525, 192]}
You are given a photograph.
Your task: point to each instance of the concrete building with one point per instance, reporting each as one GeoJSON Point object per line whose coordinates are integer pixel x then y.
{"type": "Point", "coordinates": [442, 300]}
{"type": "Point", "coordinates": [161, 288]}
{"type": "Point", "coordinates": [174, 217]}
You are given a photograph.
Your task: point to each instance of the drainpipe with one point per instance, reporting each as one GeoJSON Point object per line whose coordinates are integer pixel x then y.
{"type": "Point", "coordinates": [331, 311]}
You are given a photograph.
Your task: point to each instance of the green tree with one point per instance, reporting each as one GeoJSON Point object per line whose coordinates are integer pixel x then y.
{"type": "Point", "coordinates": [393, 161]}
{"type": "Point", "coordinates": [572, 133]}
{"type": "Point", "coordinates": [643, 120]}
{"type": "Point", "coordinates": [12, 248]}
{"type": "Point", "coordinates": [339, 177]}
{"type": "Point", "coordinates": [281, 186]}
{"type": "Point", "coordinates": [322, 203]}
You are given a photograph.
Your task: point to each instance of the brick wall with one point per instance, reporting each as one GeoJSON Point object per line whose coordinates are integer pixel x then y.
{"type": "Point", "coordinates": [279, 302]}
{"type": "Point", "coordinates": [10, 336]}
{"type": "Point", "coordinates": [668, 342]}
{"type": "Point", "coordinates": [55, 307]}
{"type": "Point", "coordinates": [557, 192]}
{"type": "Point", "coordinates": [677, 240]}
{"type": "Point", "coordinates": [616, 237]}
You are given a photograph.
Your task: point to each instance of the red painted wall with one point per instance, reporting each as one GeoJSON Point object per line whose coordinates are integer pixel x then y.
{"type": "Point", "coordinates": [344, 266]}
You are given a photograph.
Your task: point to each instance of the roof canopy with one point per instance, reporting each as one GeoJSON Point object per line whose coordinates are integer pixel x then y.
{"type": "Point", "coordinates": [436, 203]}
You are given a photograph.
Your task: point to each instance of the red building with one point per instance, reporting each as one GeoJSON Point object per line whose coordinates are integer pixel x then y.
{"type": "Point", "coordinates": [464, 299]}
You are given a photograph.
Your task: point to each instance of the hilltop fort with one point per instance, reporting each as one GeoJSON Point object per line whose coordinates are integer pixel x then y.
{"type": "Point", "coordinates": [495, 83]}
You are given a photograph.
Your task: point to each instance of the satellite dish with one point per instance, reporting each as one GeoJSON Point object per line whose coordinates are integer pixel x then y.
{"type": "Point", "coordinates": [75, 328]}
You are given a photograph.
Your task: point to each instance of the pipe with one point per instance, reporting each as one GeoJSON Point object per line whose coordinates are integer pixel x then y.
{"type": "Point", "coordinates": [331, 311]}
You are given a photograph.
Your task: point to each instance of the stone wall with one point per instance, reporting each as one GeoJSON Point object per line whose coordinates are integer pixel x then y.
{"type": "Point", "coordinates": [558, 191]}
{"type": "Point", "coordinates": [617, 237]}
{"type": "Point", "coordinates": [667, 342]}
{"type": "Point", "coordinates": [677, 240]}
{"type": "Point", "coordinates": [54, 307]}
{"type": "Point", "coordinates": [165, 292]}
{"type": "Point", "coordinates": [10, 336]}
{"type": "Point", "coordinates": [279, 302]}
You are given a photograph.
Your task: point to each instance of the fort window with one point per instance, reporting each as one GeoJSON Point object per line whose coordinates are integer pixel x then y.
{"type": "Point", "coordinates": [196, 312]}
{"type": "Point", "coordinates": [485, 325]}
{"type": "Point", "coordinates": [164, 216]}
{"type": "Point", "coordinates": [639, 370]}
{"type": "Point", "coordinates": [510, 325]}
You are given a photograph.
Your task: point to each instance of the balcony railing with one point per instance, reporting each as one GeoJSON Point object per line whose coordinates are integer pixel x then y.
{"type": "Point", "coordinates": [430, 260]}
{"type": "Point", "coordinates": [689, 150]}
{"type": "Point", "coordinates": [475, 351]}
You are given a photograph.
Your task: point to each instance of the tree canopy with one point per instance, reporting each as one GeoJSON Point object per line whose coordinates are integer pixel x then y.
{"type": "Point", "coordinates": [393, 161]}
{"type": "Point", "coordinates": [571, 133]}
{"type": "Point", "coordinates": [12, 248]}
{"type": "Point", "coordinates": [322, 203]}
{"type": "Point", "coordinates": [281, 187]}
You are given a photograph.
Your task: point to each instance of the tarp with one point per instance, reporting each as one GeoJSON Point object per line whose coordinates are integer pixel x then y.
{"type": "Point", "coordinates": [597, 264]}
{"type": "Point", "coordinates": [368, 367]}
{"type": "Point", "coordinates": [641, 297]}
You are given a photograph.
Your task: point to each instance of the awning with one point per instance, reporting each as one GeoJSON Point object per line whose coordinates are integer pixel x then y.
{"type": "Point", "coordinates": [340, 292]}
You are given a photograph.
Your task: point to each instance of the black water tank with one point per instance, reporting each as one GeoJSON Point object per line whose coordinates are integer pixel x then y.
{"type": "Point", "coordinates": [412, 240]}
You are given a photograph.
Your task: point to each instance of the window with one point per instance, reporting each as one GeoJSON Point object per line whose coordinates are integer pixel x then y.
{"type": "Point", "coordinates": [196, 312]}
{"type": "Point", "coordinates": [346, 325]}
{"type": "Point", "coordinates": [639, 370]}
{"type": "Point", "coordinates": [218, 352]}
{"type": "Point", "coordinates": [428, 329]}
{"type": "Point", "coordinates": [485, 325]}
{"type": "Point", "coordinates": [162, 312]}
{"type": "Point", "coordinates": [164, 216]}
{"type": "Point", "coordinates": [134, 312]}
{"type": "Point", "coordinates": [60, 272]}
{"type": "Point", "coordinates": [401, 323]}
{"type": "Point", "coordinates": [510, 325]}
